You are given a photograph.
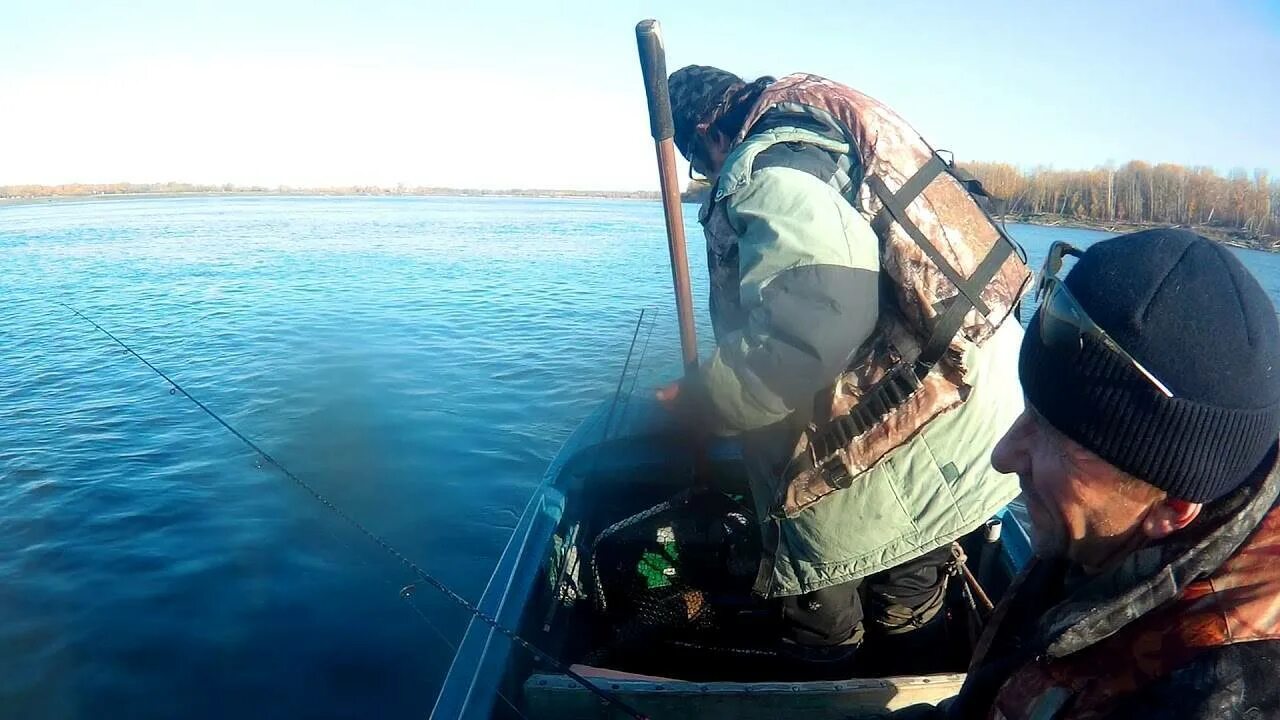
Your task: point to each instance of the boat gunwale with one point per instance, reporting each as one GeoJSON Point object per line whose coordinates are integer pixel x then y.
{"type": "Point", "coordinates": [863, 697]}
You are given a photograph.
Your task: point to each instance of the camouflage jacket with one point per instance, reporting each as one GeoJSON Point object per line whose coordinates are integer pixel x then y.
{"type": "Point", "coordinates": [1189, 628]}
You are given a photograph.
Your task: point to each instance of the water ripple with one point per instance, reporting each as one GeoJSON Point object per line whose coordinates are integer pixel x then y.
{"type": "Point", "coordinates": [417, 360]}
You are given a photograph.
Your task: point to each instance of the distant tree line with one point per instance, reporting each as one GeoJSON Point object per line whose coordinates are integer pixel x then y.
{"type": "Point", "coordinates": [86, 189]}
{"type": "Point", "coordinates": [174, 188]}
{"type": "Point", "coordinates": [1138, 193]}
{"type": "Point", "coordinates": [1135, 193]}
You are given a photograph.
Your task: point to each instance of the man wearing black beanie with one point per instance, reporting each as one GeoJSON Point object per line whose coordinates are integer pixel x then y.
{"type": "Point", "coordinates": [1147, 458]}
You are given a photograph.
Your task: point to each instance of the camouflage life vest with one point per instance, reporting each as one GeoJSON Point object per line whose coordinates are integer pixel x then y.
{"type": "Point", "coordinates": [955, 277]}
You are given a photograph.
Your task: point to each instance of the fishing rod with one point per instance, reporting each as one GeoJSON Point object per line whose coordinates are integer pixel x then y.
{"type": "Point", "coordinates": [537, 653]}
{"type": "Point", "coordinates": [571, 538]}
{"type": "Point", "coordinates": [623, 375]}
{"type": "Point", "coordinates": [653, 65]}
{"type": "Point", "coordinates": [635, 378]}
{"type": "Point", "coordinates": [653, 68]}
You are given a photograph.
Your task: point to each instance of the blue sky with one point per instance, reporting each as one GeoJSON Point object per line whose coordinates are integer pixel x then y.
{"type": "Point", "coordinates": [508, 94]}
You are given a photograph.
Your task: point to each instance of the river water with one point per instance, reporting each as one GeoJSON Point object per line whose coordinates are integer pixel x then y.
{"type": "Point", "coordinates": [418, 360]}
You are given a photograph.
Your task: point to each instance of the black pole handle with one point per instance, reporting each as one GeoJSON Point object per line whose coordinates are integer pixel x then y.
{"type": "Point", "coordinates": [653, 63]}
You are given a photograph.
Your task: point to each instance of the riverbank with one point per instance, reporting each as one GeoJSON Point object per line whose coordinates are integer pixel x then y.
{"type": "Point", "coordinates": [1227, 236]}
{"type": "Point", "coordinates": [323, 192]}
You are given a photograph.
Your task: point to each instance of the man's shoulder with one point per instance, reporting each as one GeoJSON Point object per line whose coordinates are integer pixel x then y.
{"type": "Point", "coordinates": [788, 140]}
{"type": "Point", "coordinates": [798, 156]}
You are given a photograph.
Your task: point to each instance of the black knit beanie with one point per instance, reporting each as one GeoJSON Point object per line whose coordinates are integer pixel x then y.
{"type": "Point", "coordinates": [1188, 310]}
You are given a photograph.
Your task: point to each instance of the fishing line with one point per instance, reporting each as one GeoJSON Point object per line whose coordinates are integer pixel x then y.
{"type": "Point", "coordinates": [426, 577]}
{"type": "Point", "coordinates": [635, 378]}
{"type": "Point", "coordinates": [622, 376]}
{"type": "Point", "coordinates": [570, 541]}
{"type": "Point", "coordinates": [406, 593]}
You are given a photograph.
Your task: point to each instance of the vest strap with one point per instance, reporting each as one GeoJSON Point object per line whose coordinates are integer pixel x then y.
{"type": "Point", "coordinates": [895, 205]}
{"type": "Point", "coordinates": [904, 379]}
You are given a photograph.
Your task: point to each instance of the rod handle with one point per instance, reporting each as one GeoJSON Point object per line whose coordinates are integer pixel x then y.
{"type": "Point", "coordinates": [653, 64]}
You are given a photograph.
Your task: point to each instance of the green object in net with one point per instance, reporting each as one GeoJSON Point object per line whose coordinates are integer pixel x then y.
{"type": "Point", "coordinates": [657, 568]}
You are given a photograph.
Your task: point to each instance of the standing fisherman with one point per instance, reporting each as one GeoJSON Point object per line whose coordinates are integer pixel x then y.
{"type": "Point", "coordinates": [866, 353]}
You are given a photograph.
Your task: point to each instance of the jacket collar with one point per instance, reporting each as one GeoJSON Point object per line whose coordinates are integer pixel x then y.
{"type": "Point", "coordinates": [1157, 574]}
{"type": "Point", "coordinates": [738, 167]}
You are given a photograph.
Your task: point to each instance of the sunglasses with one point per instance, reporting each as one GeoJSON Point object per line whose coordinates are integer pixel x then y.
{"type": "Point", "coordinates": [697, 163]}
{"type": "Point", "coordinates": [1064, 323]}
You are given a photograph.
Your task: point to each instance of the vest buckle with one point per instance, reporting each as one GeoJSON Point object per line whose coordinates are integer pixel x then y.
{"type": "Point", "coordinates": [833, 472]}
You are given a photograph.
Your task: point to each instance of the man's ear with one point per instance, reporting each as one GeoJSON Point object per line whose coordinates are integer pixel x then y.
{"type": "Point", "coordinates": [1169, 516]}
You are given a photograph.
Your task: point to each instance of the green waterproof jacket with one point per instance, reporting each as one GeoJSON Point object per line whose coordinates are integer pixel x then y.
{"type": "Point", "coordinates": [794, 292]}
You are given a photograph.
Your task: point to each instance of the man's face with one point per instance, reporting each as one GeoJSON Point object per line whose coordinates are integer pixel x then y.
{"type": "Point", "coordinates": [1081, 508]}
{"type": "Point", "coordinates": [711, 150]}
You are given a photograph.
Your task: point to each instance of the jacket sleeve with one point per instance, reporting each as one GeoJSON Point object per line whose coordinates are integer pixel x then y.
{"type": "Point", "coordinates": [1235, 681]}
{"type": "Point", "coordinates": [808, 266]}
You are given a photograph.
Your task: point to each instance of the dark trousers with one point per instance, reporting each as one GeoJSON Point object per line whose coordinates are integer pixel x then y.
{"type": "Point", "coordinates": [892, 602]}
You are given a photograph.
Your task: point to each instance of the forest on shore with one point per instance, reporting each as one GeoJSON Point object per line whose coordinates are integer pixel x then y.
{"type": "Point", "coordinates": [1242, 208]}
{"type": "Point", "coordinates": [85, 190]}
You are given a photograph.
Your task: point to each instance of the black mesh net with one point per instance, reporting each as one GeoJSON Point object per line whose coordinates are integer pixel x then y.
{"type": "Point", "coordinates": [677, 575]}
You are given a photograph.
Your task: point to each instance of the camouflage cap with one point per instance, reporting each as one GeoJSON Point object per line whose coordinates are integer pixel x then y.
{"type": "Point", "coordinates": [696, 92]}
